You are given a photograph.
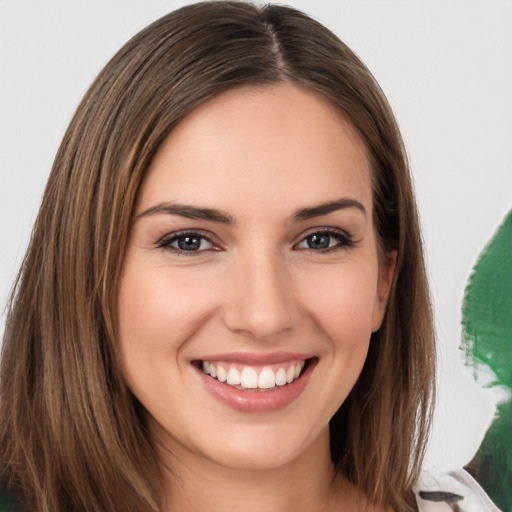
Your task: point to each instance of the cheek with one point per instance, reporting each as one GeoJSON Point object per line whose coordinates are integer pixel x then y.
{"type": "Point", "coordinates": [155, 307]}
{"type": "Point", "coordinates": [342, 302]}
{"type": "Point", "coordinates": [157, 314]}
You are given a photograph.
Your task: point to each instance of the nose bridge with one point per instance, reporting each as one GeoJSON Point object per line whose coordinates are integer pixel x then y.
{"type": "Point", "coordinates": [262, 303]}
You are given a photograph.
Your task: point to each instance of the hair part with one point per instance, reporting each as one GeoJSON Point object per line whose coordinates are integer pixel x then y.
{"type": "Point", "coordinates": [72, 436]}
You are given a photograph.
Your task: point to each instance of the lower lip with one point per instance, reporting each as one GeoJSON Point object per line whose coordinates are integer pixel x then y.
{"type": "Point", "coordinates": [271, 400]}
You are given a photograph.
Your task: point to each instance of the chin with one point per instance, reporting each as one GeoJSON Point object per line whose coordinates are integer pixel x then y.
{"type": "Point", "coordinates": [267, 451]}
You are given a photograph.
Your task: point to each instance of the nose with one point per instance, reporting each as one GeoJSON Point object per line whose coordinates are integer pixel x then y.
{"type": "Point", "coordinates": [262, 302]}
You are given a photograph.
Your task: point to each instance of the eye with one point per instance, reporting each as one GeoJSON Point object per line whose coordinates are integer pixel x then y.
{"type": "Point", "coordinates": [326, 240]}
{"type": "Point", "coordinates": [186, 242]}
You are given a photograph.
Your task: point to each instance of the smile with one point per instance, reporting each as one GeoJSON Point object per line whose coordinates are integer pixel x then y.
{"type": "Point", "coordinates": [254, 377]}
{"type": "Point", "coordinates": [255, 383]}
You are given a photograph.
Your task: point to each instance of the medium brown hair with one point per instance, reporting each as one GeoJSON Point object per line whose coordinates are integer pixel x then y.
{"type": "Point", "coordinates": [72, 436]}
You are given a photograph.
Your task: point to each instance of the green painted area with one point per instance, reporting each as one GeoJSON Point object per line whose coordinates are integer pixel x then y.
{"type": "Point", "coordinates": [7, 501]}
{"type": "Point", "coordinates": [487, 338]}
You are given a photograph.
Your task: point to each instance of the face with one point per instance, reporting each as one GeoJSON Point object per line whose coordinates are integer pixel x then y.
{"type": "Point", "coordinates": [251, 282]}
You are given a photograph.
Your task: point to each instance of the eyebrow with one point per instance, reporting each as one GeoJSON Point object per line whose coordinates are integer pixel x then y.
{"type": "Point", "coordinates": [213, 215]}
{"type": "Point", "coordinates": [326, 208]}
{"type": "Point", "coordinates": [190, 212]}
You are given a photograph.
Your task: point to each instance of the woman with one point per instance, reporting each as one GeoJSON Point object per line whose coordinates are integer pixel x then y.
{"type": "Point", "coordinates": [215, 306]}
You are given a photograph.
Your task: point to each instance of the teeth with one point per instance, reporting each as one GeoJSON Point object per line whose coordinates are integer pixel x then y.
{"type": "Point", "coordinates": [221, 374]}
{"type": "Point", "coordinates": [267, 379]}
{"type": "Point", "coordinates": [233, 377]}
{"type": "Point", "coordinates": [298, 368]}
{"type": "Point", "coordinates": [247, 378]}
{"type": "Point", "coordinates": [280, 377]}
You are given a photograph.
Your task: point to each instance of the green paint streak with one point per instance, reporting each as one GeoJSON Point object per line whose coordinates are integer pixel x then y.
{"type": "Point", "coordinates": [7, 501]}
{"type": "Point", "coordinates": [487, 338]}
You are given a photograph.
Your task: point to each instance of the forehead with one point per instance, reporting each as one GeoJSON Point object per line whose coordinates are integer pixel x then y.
{"type": "Point", "coordinates": [263, 145]}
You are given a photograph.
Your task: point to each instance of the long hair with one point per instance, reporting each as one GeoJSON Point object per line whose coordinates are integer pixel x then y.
{"type": "Point", "coordinates": [72, 436]}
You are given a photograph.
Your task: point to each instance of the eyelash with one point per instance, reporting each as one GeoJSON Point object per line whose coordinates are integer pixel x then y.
{"type": "Point", "coordinates": [344, 241]}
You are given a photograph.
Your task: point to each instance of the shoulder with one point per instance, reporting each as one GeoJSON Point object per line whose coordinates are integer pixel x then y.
{"type": "Point", "coordinates": [454, 490]}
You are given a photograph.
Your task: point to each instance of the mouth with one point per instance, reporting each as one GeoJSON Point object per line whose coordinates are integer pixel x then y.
{"type": "Point", "coordinates": [254, 378]}
{"type": "Point", "coordinates": [253, 384]}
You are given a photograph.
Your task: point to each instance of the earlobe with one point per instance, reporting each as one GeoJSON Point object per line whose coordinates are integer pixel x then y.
{"type": "Point", "coordinates": [386, 273]}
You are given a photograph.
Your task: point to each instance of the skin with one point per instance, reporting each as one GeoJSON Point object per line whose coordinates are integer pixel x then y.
{"type": "Point", "coordinates": [259, 155]}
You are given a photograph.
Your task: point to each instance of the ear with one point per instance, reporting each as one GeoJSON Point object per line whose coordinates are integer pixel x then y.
{"type": "Point", "coordinates": [387, 266]}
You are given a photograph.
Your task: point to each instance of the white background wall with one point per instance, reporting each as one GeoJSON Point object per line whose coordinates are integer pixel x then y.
{"type": "Point", "coordinates": [446, 66]}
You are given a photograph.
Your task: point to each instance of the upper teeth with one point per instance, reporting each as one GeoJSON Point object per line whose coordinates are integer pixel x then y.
{"type": "Point", "coordinates": [248, 377]}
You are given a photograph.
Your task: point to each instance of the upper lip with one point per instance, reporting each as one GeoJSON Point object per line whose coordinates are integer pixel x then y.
{"type": "Point", "coordinates": [256, 359]}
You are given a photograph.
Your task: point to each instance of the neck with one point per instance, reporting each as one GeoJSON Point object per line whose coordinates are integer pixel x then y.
{"type": "Point", "coordinates": [305, 484]}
